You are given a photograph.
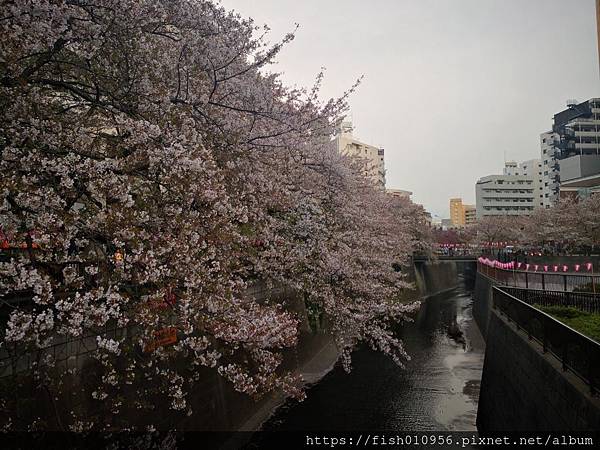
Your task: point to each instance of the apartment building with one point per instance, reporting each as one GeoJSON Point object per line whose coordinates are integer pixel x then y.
{"type": "Point", "coordinates": [373, 157]}
{"type": "Point", "coordinates": [571, 150]}
{"type": "Point", "coordinates": [531, 168]}
{"type": "Point", "coordinates": [506, 194]}
{"type": "Point", "coordinates": [461, 214]}
{"type": "Point", "coordinates": [470, 215]}
{"type": "Point", "coordinates": [457, 212]}
{"type": "Point", "coordinates": [399, 193]}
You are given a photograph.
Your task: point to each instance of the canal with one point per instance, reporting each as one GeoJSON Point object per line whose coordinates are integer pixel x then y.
{"type": "Point", "coordinates": [438, 389]}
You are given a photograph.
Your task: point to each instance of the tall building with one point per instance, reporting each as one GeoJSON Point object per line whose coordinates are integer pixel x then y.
{"type": "Point", "coordinates": [550, 168]}
{"type": "Point", "coordinates": [461, 214]}
{"type": "Point", "coordinates": [571, 150]}
{"type": "Point", "coordinates": [470, 215]}
{"type": "Point", "coordinates": [457, 212]}
{"type": "Point", "coordinates": [531, 168]}
{"type": "Point", "coordinates": [511, 193]}
{"type": "Point", "coordinates": [373, 156]}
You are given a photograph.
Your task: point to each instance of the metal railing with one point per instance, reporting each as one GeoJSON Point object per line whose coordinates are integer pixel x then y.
{"type": "Point", "coordinates": [545, 281]}
{"type": "Point", "coordinates": [577, 352]}
{"type": "Point", "coordinates": [64, 352]}
{"type": "Point", "coordinates": [583, 301]}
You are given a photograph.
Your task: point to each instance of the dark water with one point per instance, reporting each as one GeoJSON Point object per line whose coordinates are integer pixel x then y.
{"type": "Point", "coordinates": [438, 390]}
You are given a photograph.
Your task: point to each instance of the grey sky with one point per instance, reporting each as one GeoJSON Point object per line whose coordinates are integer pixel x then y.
{"type": "Point", "coordinates": [450, 85]}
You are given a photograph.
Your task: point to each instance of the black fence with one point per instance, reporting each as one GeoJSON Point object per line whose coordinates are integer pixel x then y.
{"type": "Point", "coordinates": [546, 281]}
{"type": "Point", "coordinates": [577, 352]}
{"type": "Point", "coordinates": [583, 301]}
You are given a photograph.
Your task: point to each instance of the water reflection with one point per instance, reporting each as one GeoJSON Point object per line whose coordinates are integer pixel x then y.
{"type": "Point", "coordinates": [437, 391]}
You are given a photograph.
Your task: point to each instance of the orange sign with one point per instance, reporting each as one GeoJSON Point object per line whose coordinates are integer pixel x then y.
{"type": "Point", "coordinates": [162, 338]}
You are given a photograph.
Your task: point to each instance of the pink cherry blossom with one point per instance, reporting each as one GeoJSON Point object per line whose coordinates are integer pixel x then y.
{"type": "Point", "coordinates": [152, 169]}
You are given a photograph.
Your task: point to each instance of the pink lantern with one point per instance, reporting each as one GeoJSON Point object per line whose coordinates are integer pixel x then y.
{"type": "Point", "coordinates": [577, 266]}
{"type": "Point", "coordinates": [545, 268]}
{"type": "Point", "coordinates": [519, 265]}
{"type": "Point", "coordinates": [527, 267]}
{"type": "Point", "coordinates": [588, 266]}
{"type": "Point", "coordinates": [556, 268]}
{"type": "Point", "coordinates": [536, 267]}
{"type": "Point", "coordinates": [565, 268]}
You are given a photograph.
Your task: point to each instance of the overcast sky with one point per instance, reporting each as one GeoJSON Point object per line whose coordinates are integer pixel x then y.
{"type": "Point", "coordinates": [449, 86]}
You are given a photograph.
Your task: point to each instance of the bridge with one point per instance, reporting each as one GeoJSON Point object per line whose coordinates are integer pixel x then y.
{"type": "Point", "coordinates": [457, 258]}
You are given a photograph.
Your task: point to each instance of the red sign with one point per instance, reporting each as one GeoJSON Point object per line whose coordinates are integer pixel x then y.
{"type": "Point", "coordinates": [162, 338]}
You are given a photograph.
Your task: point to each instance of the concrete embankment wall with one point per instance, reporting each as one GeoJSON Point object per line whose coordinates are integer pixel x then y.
{"type": "Point", "coordinates": [216, 405]}
{"type": "Point", "coordinates": [523, 389]}
{"type": "Point", "coordinates": [482, 305]}
{"type": "Point", "coordinates": [432, 277]}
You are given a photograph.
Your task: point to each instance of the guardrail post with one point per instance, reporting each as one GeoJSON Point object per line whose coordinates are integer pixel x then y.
{"type": "Point", "coordinates": [565, 282]}
{"type": "Point", "coordinates": [543, 283]}
{"type": "Point", "coordinates": [526, 281]}
{"type": "Point", "coordinates": [545, 335]}
{"type": "Point", "coordinates": [590, 376]}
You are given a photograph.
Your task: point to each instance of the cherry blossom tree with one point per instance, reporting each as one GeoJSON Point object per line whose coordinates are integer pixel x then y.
{"type": "Point", "coordinates": [583, 222]}
{"type": "Point", "coordinates": [571, 224]}
{"type": "Point", "coordinates": [498, 228]}
{"type": "Point", "coordinates": [152, 167]}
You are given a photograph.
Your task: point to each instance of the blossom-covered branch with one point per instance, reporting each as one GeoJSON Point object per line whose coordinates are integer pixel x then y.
{"type": "Point", "coordinates": [152, 168]}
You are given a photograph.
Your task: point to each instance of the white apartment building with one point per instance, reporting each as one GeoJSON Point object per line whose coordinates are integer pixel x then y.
{"type": "Point", "coordinates": [530, 168]}
{"type": "Point", "coordinates": [399, 193]}
{"type": "Point", "coordinates": [373, 156]}
{"type": "Point", "coordinates": [511, 193]}
{"type": "Point", "coordinates": [550, 167]}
